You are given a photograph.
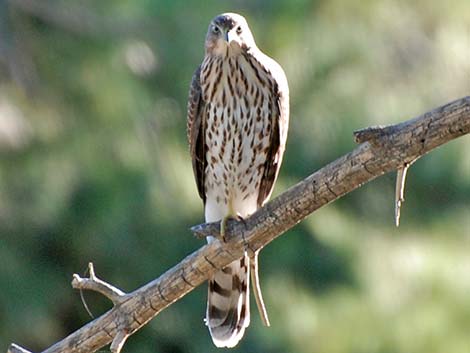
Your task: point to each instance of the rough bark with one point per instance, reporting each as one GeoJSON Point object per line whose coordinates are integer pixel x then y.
{"type": "Point", "coordinates": [381, 150]}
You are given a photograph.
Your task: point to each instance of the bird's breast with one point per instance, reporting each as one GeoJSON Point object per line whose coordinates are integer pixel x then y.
{"type": "Point", "coordinates": [238, 96]}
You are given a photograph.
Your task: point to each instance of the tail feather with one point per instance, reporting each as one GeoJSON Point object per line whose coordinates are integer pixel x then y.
{"type": "Point", "coordinates": [228, 306]}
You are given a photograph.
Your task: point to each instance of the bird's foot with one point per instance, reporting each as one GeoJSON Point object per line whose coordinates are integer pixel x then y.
{"type": "Point", "coordinates": [224, 223]}
{"type": "Point", "coordinates": [202, 231]}
{"type": "Point", "coordinates": [240, 218]}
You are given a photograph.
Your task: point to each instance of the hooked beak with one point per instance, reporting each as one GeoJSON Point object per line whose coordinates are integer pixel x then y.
{"type": "Point", "coordinates": [229, 36]}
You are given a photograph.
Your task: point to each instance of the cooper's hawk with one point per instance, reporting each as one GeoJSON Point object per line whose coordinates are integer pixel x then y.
{"type": "Point", "coordinates": [238, 114]}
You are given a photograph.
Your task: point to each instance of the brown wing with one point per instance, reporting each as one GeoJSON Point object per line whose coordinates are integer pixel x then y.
{"type": "Point", "coordinates": [196, 132]}
{"type": "Point", "coordinates": [280, 123]}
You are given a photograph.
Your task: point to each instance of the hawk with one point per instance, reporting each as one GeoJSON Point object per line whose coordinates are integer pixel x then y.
{"type": "Point", "coordinates": [238, 113]}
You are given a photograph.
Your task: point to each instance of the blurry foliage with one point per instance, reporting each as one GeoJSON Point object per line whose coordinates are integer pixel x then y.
{"type": "Point", "coordinates": [94, 167]}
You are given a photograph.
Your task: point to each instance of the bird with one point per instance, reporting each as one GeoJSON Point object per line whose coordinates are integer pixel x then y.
{"type": "Point", "coordinates": [237, 123]}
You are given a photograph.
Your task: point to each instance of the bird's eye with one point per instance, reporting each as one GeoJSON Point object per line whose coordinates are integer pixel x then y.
{"type": "Point", "coordinates": [239, 30]}
{"type": "Point", "coordinates": [215, 30]}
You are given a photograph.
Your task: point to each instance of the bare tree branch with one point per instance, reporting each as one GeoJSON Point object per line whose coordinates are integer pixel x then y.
{"type": "Point", "coordinates": [382, 149]}
{"type": "Point", "coordinates": [16, 349]}
{"type": "Point", "coordinates": [118, 341]}
{"type": "Point", "coordinates": [400, 190]}
{"type": "Point", "coordinates": [95, 284]}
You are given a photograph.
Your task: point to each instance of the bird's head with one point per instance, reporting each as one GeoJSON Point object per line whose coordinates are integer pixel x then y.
{"type": "Point", "coordinates": [228, 34]}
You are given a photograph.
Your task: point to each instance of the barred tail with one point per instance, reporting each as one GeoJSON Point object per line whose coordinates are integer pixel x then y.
{"type": "Point", "coordinates": [228, 304]}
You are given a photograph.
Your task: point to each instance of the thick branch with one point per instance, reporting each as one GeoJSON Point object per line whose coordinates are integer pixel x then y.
{"type": "Point", "coordinates": [383, 150]}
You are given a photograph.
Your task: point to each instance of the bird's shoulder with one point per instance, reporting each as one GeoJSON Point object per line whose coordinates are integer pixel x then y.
{"type": "Point", "coordinates": [273, 68]}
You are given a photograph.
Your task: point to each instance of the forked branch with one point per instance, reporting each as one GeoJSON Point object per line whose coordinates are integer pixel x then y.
{"type": "Point", "coordinates": [382, 150]}
{"type": "Point", "coordinates": [95, 284]}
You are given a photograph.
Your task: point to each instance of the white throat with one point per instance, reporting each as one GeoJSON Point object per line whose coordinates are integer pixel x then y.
{"type": "Point", "coordinates": [227, 49]}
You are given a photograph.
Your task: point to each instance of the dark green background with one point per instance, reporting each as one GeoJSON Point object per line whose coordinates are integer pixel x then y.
{"type": "Point", "coordinates": [94, 167]}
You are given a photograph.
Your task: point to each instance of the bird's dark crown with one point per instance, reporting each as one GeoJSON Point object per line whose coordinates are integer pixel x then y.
{"type": "Point", "coordinates": [225, 21]}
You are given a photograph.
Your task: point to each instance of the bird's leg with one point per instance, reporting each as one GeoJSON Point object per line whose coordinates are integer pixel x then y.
{"type": "Point", "coordinates": [257, 288]}
{"type": "Point", "coordinates": [223, 227]}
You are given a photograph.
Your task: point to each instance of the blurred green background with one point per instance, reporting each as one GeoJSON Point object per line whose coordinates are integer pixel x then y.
{"type": "Point", "coordinates": [94, 166]}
